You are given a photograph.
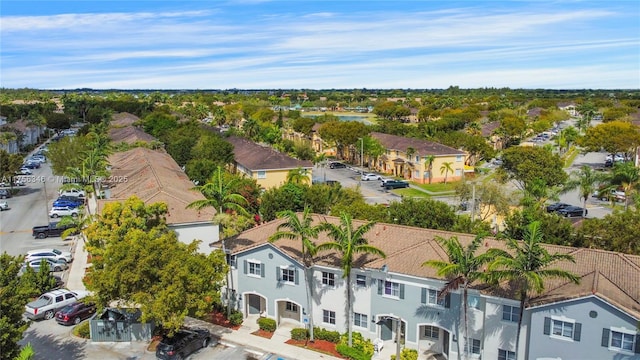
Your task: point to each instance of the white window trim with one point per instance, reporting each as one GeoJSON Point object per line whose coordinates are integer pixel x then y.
{"type": "Point", "coordinates": [287, 267]}
{"type": "Point", "coordinates": [365, 323]}
{"type": "Point", "coordinates": [257, 262]}
{"type": "Point", "coordinates": [502, 312]}
{"type": "Point", "coordinates": [365, 281]}
{"type": "Point", "coordinates": [335, 318]}
{"type": "Point", "coordinates": [261, 174]}
{"type": "Point", "coordinates": [424, 332]}
{"type": "Point", "coordinates": [626, 332]}
{"type": "Point", "coordinates": [566, 320]}
{"type": "Point", "coordinates": [389, 296]}
{"type": "Point", "coordinates": [436, 305]}
{"type": "Point", "coordinates": [328, 279]}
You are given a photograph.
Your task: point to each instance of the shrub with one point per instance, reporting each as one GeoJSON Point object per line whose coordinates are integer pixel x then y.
{"type": "Point", "coordinates": [299, 334]}
{"type": "Point", "coordinates": [365, 346]}
{"type": "Point", "coordinates": [83, 330]}
{"type": "Point", "coordinates": [236, 318]}
{"type": "Point", "coordinates": [267, 324]}
{"type": "Point", "coordinates": [351, 353]}
{"type": "Point", "coordinates": [327, 335]}
{"type": "Point", "coordinates": [407, 354]}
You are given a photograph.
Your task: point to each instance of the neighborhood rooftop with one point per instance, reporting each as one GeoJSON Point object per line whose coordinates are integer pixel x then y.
{"type": "Point", "coordinates": [610, 275]}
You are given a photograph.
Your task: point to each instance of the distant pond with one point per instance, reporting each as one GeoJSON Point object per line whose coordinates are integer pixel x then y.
{"type": "Point", "coordinates": [362, 119]}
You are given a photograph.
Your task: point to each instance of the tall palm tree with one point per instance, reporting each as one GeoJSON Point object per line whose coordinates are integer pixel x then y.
{"type": "Point", "coordinates": [463, 269]}
{"type": "Point", "coordinates": [348, 242]}
{"type": "Point", "coordinates": [528, 267]}
{"type": "Point", "coordinates": [428, 162]}
{"type": "Point", "coordinates": [298, 176]}
{"type": "Point", "coordinates": [586, 181]}
{"type": "Point", "coordinates": [446, 168]}
{"type": "Point", "coordinates": [220, 196]}
{"type": "Point", "coordinates": [626, 176]}
{"type": "Point", "coordinates": [301, 228]}
{"type": "Point", "coordinates": [410, 152]}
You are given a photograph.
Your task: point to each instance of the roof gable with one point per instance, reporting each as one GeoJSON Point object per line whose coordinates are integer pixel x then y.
{"type": "Point", "coordinates": [253, 156]}
{"type": "Point", "coordinates": [422, 147]}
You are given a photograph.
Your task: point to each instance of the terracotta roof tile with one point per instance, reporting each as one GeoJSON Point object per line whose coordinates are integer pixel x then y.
{"type": "Point", "coordinates": [613, 276]}
{"type": "Point", "coordinates": [129, 135]}
{"type": "Point", "coordinates": [257, 157]}
{"type": "Point", "coordinates": [154, 176]}
{"type": "Point", "coordinates": [422, 147]}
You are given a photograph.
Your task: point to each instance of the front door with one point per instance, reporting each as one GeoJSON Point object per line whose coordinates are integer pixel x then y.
{"type": "Point", "coordinates": [254, 304]}
{"type": "Point", "coordinates": [386, 332]}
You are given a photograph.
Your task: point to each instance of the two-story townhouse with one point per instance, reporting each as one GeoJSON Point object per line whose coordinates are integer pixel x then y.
{"type": "Point", "coordinates": [406, 157]}
{"type": "Point", "coordinates": [264, 164]}
{"type": "Point", "coordinates": [396, 295]}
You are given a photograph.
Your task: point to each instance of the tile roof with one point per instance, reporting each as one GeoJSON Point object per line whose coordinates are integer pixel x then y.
{"type": "Point", "coordinates": [614, 277]}
{"type": "Point", "coordinates": [129, 134]}
{"type": "Point", "coordinates": [257, 157]}
{"type": "Point", "coordinates": [123, 119]}
{"type": "Point", "coordinates": [154, 176]}
{"type": "Point", "coordinates": [422, 147]}
{"type": "Point", "coordinates": [489, 128]}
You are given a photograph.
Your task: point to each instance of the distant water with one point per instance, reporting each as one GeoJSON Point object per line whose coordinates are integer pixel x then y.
{"type": "Point", "coordinates": [362, 119]}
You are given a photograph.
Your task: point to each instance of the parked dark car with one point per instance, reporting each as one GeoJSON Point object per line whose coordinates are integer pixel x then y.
{"type": "Point", "coordinates": [52, 229]}
{"type": "Point", "coordinates": [74, 313]}
{"type": "Point", "coordinates": [337, 165]}
{"type": "Point", "coordinates": [571, 211]}
{"type": "Point", "coordinates": [183, 343]}
{"type": "Point", "coordinates": [394, 184]}
{"type": "Point", "coordinates": [555, 207]}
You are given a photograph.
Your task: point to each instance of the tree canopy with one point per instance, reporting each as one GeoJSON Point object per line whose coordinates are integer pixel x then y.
{"type": "Point", "coordinates": [137, 261]}
{"type": "Point", "coordinates": [531, 165]}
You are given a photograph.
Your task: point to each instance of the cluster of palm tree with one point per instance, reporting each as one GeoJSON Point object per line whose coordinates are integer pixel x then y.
{"type": "Point", "coordinates": [624, 176]}
{"type": "Point", "coordinates": [347, 241]}
{"type": "Point", "coordinates": [525, 264]}
{"type": "Point", "coordinates": [93, 164]}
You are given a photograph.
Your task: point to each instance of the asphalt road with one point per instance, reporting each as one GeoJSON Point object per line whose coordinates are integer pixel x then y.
{"type": "Point", "coordinates": [348, 177]}
{"type": "Point", "coordinates": [29, 208]}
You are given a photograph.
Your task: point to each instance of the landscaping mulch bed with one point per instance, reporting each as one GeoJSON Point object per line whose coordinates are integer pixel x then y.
{"type": "Point", "coordinates": [220, 318]}
{"type": "Point", "coordinates": [263, 333]}
{"type": "Point", "coordinates": [323, 346]}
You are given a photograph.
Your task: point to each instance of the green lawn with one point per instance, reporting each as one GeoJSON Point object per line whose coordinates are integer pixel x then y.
{"type": "Point", "coordinates": [439, 187]}
{"type": "Point", "coordinates": [409, 192]}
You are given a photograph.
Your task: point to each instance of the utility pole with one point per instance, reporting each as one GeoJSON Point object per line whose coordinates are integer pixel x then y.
{"type": "Point", "coordinates": [473, 201]}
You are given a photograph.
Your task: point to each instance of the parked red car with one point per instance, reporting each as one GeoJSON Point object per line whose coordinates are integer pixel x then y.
{"type": "Point", "coordinates": [73, 314]}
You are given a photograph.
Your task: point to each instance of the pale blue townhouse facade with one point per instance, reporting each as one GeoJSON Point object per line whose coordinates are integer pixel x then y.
{"type": "Point", "coordinates": [597, 319]}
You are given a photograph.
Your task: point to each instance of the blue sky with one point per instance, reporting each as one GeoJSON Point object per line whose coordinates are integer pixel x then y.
{"type": "Point", "coordinates": [319, 44]}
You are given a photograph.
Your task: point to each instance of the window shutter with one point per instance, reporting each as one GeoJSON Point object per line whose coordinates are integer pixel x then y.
{"type": "Point", "coordinates": [246, 265]}
{"type": "Point", "coordinates": [547, 326]}
{"type": "Point", "coordinates": [295, 276]}
{"type": "Point", "coordinates": [637, 350]}
{"type": "Point", "coordinates": [423, 297]}
{"type": "Point", "coordinates": [278, 273]}
{"type": "Point", "coordinates": [401, 291]}
{"type": "Point", "coordinates": [447, 301]}
{"type": "Point", "coordinates": [577, 329]}
{"type": "Point", "coordinates": [380, 285]}
{"type": "Point", "coordinates": [262, 270]}
{"type": "Point", "coordinates": [605, 337]}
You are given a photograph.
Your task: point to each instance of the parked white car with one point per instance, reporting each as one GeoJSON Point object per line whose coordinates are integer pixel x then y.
{"type": "Point", "coordinates": [24, 171]}
{"type": "Point", "coordinates": [63, 211]}
{"type": "Point", "coordinates": [72, 192]}
{"type": "Point", "coordinates": [54, 265]}
{"type": "Point", "coordinates": [4, 205]}
{"type": "Point", "coordinates": [49, 254]}
{"type": "Point", "coordinates": [370, 176]}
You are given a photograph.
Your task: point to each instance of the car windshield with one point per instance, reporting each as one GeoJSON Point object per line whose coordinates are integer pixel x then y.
{"type": "Point", "coordinates": [169, 342]}
{"type": "Point", "coordinates": [57, 252]}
